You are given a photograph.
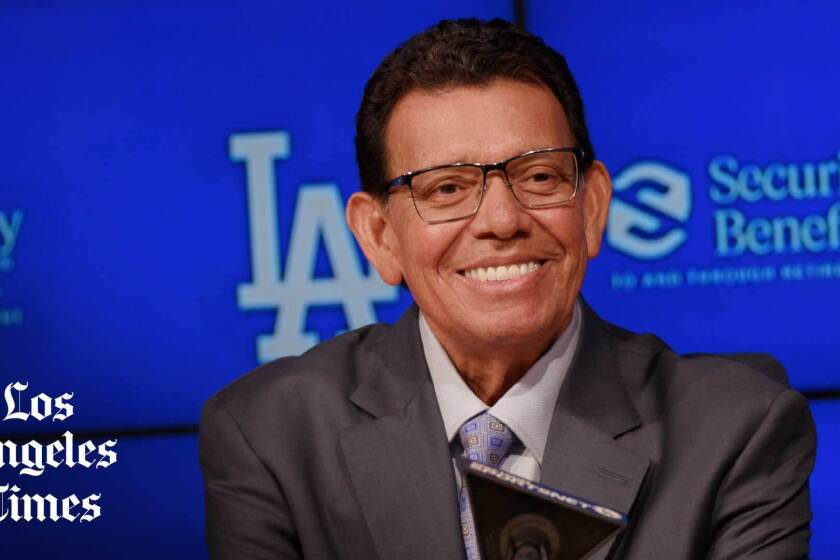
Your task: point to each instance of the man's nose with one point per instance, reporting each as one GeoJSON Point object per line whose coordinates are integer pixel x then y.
{"type": "Point", "coordinates": [500, 214]}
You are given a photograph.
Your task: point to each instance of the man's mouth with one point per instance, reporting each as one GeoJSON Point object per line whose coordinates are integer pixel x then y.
{"type": "Point", "coordinates": [499, 273]}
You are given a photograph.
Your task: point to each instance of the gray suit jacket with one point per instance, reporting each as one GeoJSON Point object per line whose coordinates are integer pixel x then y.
{"type": "Point", "coordinates": [341, 453]}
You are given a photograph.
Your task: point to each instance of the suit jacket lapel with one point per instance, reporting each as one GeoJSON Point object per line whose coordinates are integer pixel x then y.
{"type": "Point", "coordinates": [399, 460]}
{"type": "Point", "coordinates": [582, 456]}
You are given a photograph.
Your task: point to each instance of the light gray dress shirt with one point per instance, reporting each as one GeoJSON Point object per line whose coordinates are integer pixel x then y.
{"type": "Point", "coordinates": [526, 408]}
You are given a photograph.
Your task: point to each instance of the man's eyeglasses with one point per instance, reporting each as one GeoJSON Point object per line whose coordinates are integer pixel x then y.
{"type": "Point", "coordinates": [538, 179]}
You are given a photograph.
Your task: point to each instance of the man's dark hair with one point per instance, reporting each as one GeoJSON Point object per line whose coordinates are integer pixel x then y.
{"type": "Point", "coordinates": [461, 52]}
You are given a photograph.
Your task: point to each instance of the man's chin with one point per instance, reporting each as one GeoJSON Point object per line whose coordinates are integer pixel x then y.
{"type": "Point", "coordinates": [504, 329]}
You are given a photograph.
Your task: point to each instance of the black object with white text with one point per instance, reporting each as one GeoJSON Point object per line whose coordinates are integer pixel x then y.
{"type": "Point", "coordinates": [517, 519]}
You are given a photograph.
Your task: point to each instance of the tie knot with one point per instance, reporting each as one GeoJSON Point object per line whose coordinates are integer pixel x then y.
{"type": "Point", "coordinates": [485, 439]}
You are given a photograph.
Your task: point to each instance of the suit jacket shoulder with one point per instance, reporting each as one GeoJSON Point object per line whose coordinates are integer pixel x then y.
{"type": "Point", "coordinates": [730, 446]}
{"type": "Point", "coordinates": [287, 385]}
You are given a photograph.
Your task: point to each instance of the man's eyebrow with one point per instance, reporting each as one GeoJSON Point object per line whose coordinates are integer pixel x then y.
{"type": "Point", "coordinates": [443, 161]}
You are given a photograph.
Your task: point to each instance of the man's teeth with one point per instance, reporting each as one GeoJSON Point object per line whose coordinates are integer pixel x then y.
{"type": "Point", "coordinates": [497, 273]}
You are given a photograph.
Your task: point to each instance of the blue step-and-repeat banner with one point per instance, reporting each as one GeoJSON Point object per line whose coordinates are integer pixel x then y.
{"type": "Point", "coordinates": [172, 186]}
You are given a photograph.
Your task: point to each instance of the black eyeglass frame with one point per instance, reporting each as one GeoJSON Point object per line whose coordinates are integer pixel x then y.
{"type": "Point", "coordinates": [406, 178]}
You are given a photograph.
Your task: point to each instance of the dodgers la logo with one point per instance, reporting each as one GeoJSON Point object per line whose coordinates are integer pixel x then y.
{"type": "Point", "coordinates": [319, 212]}
{"type": "Point", "coordinates": [636, 229]}
{"type": "Point", "coordinates": [10, 223]}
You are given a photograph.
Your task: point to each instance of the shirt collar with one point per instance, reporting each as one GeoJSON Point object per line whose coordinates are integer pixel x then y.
{"type": "Point", "coordinates": [526, 408]}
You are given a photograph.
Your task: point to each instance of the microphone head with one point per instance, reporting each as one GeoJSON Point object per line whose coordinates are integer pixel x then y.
{"type": "Point", "coordinates": [529, 536]}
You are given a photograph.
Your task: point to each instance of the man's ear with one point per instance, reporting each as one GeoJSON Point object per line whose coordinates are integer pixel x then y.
{"type": "Point", "coordinates": [597, 193]}
{"type": "Point", "coordinates": [368, 220]}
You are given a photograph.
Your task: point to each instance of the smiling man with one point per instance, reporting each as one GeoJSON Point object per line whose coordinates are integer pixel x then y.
{"type": "Point", "coordinates": [494, 256]}
{"type": "Point", "coordinates": [482, 194]}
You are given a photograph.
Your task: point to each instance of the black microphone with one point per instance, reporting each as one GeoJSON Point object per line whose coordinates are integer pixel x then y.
{"type": "Point", "coordinates": [517, 519]}
{"type": "Point", "coordinates": [529, 537]}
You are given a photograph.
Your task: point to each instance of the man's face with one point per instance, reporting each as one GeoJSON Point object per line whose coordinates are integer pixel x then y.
{"type": "Point", "coordinates": [440, 262]}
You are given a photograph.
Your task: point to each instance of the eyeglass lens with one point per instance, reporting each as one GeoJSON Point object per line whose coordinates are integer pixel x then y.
{"type": "Point", "coordinates": [537, 180]}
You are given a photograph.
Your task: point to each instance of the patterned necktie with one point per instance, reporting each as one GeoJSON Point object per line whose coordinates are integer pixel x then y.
{"type": "Point", "coordinates": [486, 440]}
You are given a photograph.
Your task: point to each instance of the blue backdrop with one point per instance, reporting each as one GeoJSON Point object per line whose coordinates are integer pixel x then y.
{"type": "Point", "coordinates": [172, 186]}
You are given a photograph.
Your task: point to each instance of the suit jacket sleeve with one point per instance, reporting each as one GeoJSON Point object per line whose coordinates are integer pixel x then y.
{"type": "Point", "coordinates": [247, 514]}
{"type": "Point", "coordinates": [763, 507]}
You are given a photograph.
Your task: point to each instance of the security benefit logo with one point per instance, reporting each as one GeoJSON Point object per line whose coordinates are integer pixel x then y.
{"type": "Point", "coordinates": [319, 214]}
{"type": "Point", "coordinates": [10, 228]}
{"type": "Point", "coordinates": [651, 226]}
{"type": "Point", "coordinates": [789, 210]}
{"type": "Point", "coordinates": [787, 185]}
{"type": "Point", "coordinates": [10, 222]}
